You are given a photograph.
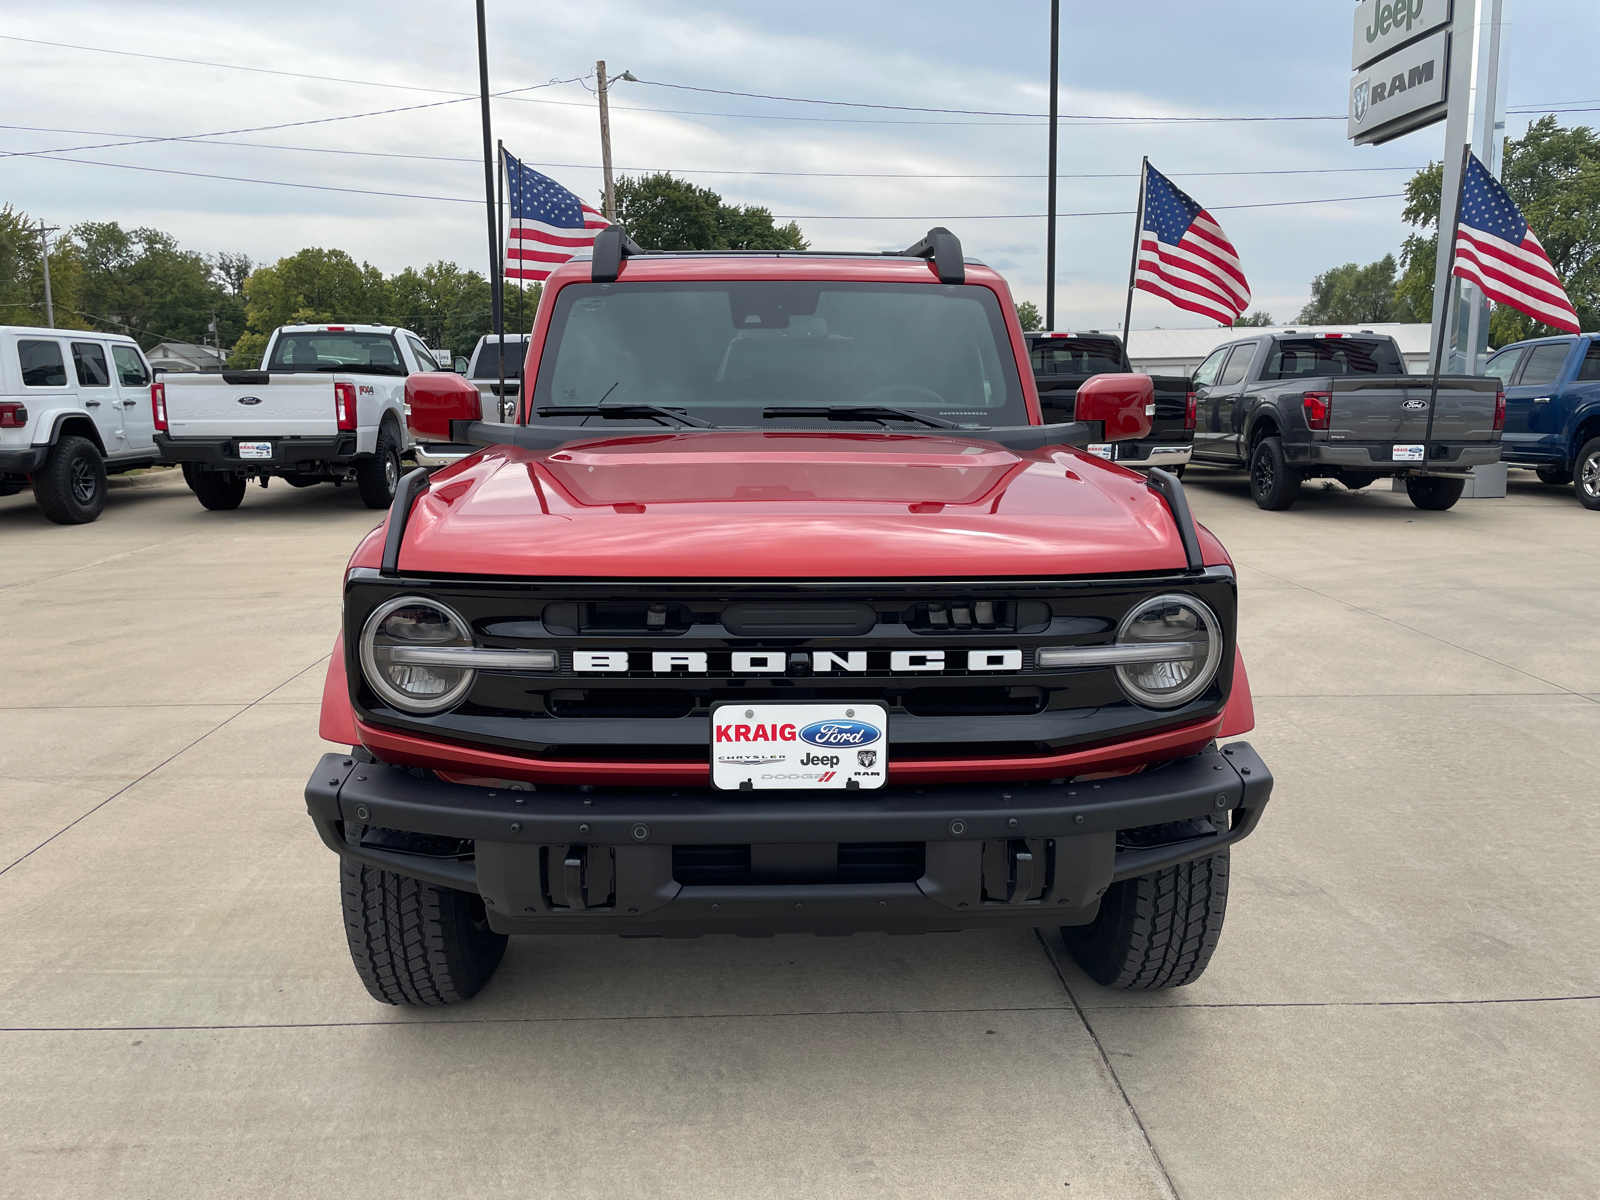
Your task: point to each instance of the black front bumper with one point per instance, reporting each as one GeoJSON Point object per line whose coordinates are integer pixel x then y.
{"type": "Point", "coordinates": [607, 860]}
{"type": "Point", "coordinates": [288, 453]}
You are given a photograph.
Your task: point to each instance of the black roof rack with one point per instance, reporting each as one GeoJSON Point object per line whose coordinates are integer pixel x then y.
{"type": "Point", "coordinates": [612, 244]}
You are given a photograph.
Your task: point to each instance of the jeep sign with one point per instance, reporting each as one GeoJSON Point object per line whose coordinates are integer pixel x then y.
{"type": "Point", "coordinates": [1383, 25]}
{"type": "Point", "coordinates": [1400, 93]}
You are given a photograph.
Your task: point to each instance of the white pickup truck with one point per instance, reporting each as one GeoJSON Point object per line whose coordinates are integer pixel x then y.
{"type": "Point", "coordinates": [327, 406]}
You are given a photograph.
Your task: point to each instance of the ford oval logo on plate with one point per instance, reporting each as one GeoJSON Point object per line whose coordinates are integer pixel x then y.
{"type": "Point", "coordinates": [842, 734]}
{"type": "Point", "coordinates": [249, 399]}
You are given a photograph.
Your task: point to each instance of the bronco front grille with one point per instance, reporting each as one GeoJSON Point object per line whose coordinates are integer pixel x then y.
{"type": "Point", "coordinates": [641, 665]}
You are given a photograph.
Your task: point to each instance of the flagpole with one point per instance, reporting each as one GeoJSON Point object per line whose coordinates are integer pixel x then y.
{"type": "Point", "coordinates": [1133, 267]}
{"type": "Point", "coordinates": [1050, 190]}
{"type": "Point", "coordinates": [497, 317]}
{"type": "Point", "coordinates": [1444, 314]}
{"type": "Point", "coordinates": [500, 264]}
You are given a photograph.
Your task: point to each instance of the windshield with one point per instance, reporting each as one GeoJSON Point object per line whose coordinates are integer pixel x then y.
{"type": "Point", "coordinates": [726, 351]}
{"type": "Point", "coordinates": [1333, 356]}
{"type": "Point", "coordinates": [368, 353]}
{"type": "Point", "coordinates": [1077, 356]}
{"type": "Point", "coordinates": [488, 364]}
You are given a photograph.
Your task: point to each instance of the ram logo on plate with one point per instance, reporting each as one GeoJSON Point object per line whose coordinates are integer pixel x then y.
{"type": "Point", "coordinates": [840, 734]}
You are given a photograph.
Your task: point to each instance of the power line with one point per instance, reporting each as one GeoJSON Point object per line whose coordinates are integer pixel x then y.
{"type": "Point", "coordinates": [1123, 212]}
{"type": "Point", "coordinates": [207, 141]}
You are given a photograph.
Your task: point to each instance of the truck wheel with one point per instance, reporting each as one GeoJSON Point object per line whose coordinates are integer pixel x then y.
{"type": "Point", "coordinates": [378, 476]}
{"type": "Point", "coordinates": [1274, 484]}
{"type": "Point", "coordinates": [1157, 930]}
{"type": "Point", "coordinates": [1555, 476]}
{"type": "Point", "coordinates": [70, 489]}
{"type": "Point", "coordinates": [1586, 474]}
{"type": "Point", "coordinates": [1434, 492]}
{"type": "Point", "coordinates": [1356, 480]}
{"type": "Point", "coordinates": [415, 943]}
{"type": "Point", "coordinates": [216, 490]}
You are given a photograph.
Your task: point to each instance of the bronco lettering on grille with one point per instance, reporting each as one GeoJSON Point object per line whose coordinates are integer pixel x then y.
{"type": "Point", "coordinates": [823, 662]}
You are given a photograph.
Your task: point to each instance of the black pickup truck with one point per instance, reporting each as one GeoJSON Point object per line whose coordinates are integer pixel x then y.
{"type": "Point", "coordinates": [1294, 406]}
{"type": "Point", "coordinates": [1063, 361]}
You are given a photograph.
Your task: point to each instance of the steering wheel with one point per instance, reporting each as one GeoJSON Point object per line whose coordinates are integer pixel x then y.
{"type": "Point", "coordinates": [913, 393]}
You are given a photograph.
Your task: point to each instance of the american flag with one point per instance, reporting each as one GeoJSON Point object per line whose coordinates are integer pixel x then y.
{"type": "Point", "coordinates": [1185, 257]}
{"type": "Point", "coordinates": [1496, 250]}
{"type": "Point", "coordinates": [546, 224]}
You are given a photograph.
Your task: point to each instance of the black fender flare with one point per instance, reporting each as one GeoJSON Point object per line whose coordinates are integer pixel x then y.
{"type": "Point", "coordinates": [82, 426]}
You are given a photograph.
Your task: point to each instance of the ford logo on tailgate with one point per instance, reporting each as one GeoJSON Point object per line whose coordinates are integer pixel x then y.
{"type": "Point", "coordinates": [249, 399]}
{"type": "Point", "coordinates": [840, 733]}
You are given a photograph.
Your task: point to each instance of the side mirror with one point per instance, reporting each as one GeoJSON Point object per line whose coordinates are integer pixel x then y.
{"type": "Point", "coordinates": [459, 366]}
{"type": "Point", "coordinates": [436, 399]}
{"type": "Point", "coordinates": [1123, 404]}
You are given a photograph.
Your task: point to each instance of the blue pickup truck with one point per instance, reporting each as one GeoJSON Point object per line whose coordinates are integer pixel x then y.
{"type": "Point", "coordinates": [1552, 390]}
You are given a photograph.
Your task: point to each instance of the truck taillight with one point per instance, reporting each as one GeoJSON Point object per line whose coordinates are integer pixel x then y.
{"type": "Point", "coordinates": [1500, 411]}
{"type": "Point", "coordinates": [158, 406]}
{"type": "Point", "coordinates": [1319, 409]}
{"type": "Point", "coordinates": [1189, 409]}
{"type": "Point", "coordinates": [344, 404]}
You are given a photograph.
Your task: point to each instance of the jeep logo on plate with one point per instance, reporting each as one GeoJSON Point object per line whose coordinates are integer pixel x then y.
{"type": "Point", "coordinates": [840, 733]}
{"type": "Point", "coordinates": [249, 399]}
{"type": "Point", "coordinates": [1414, 405]}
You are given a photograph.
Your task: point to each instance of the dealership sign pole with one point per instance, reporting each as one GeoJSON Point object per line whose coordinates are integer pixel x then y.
{"type": "Point", "coordinates": [1416, 63]}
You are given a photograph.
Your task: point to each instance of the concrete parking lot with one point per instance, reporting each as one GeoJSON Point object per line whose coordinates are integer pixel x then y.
{"type": "Point", "coordinates": [1406, 1001]}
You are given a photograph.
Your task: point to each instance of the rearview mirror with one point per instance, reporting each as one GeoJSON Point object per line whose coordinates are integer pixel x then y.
{"type": "Point", "coordinates": [436, 399]}
{"type": "Point", "coordinates": [1123, 404]}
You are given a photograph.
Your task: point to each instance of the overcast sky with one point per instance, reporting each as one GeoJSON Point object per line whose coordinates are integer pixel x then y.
{"type": "Point", "coordinates": [1156, 58]}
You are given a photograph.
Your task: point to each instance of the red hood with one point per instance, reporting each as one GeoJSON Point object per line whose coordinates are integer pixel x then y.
{"type": "Point", "coordinates": [789, 505]}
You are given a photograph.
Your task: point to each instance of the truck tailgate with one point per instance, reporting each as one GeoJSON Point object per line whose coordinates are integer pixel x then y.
{"type": "Point", "coordinates": [1394, 408]}
{"type": "Point", "coordinates": [250, 404]}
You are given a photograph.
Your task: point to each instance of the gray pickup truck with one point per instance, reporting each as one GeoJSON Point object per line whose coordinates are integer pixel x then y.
{"type": "Point", "coordinates": [1293, 407]}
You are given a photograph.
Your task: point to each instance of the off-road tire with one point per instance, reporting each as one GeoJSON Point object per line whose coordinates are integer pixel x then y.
{"type": "Point", "coordinates": [217, 491]}
{"type": "Point", "coordinates": [1157, 930]}
{"type": "Point", "coordinates": [378, 476]}
{"type": "Point", "coordinates": [415, 943]}
{"type": "Point", "coordinates": [1356, 480]}
{"type": "Point", "coordinates": [1434, 493]}
{"type": "Point", "coordinates": [70, 489]}
{"type": "Point", "coordinates": [1274, 485]}
{"type": "Point", "coordinates": [1554, 476]}
{"type": "Point", "coordinates": [1586, 474]}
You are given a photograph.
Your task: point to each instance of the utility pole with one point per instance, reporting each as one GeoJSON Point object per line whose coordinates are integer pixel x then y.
{"type": "Point", "coordinates": [44, 259]}
{"type": "Point", "coordinates": [495, 295]}
{"type": "Point", "coordinates": [610, 204]}
{"type": "Point", "coordinates": [1050, 191]}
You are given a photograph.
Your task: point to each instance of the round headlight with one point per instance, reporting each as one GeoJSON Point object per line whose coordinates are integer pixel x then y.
{"type": "Point", "coordinates": [1190, 642]}
{"type": "Point", "coordinates": [412, 623]}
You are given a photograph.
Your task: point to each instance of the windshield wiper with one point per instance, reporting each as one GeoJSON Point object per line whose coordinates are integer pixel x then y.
{"type": "Point", "coordinates": [652, 412]}
{"type": "Point", "coordinates": [862, 412]}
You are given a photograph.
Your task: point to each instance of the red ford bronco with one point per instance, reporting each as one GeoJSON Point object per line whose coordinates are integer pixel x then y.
{"type": "Point", "coordinates": [779, 609]}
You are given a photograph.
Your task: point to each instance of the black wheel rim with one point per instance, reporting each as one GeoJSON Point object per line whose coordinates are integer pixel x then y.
{"type": "Point", "coordinates": [1262, 474]}
{"type": "Point", "coordinates": [83, 481]}
{"type": "Point", "coordinates": [1589, 476]}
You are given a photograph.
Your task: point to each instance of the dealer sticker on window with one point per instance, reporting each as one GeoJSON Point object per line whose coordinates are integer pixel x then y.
{"type": "Point", "coordinates": [255, 449]}
{"type": "Point", "coordinates": [763, 747]}
{"type": "Point", "coordinates": [1408, 454]}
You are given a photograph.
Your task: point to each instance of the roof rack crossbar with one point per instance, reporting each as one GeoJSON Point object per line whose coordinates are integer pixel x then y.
{"type": "Point", "coordinates": [944, 248]}
{"type": "Point", "coordinates": [611, 245]}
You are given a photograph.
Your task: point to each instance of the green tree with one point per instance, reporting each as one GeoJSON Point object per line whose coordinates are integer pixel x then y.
{"type": "Point", "coordinates": [1352, 294]}
{"type": "Point", "coordinates": [1028, 315]}
{"type": "Point", "coordinates": [310, 286]}
{"type": "Point", "coordinates": [139, 282]}
{"type": "Point", "coordinates": [1255, 320]}
{"type": "Point", "coordinates": [1553, 173]}
{"type": "Point", "coordinates": [22, 279]}
{"type": "Point", "coordinates": [664, 213]}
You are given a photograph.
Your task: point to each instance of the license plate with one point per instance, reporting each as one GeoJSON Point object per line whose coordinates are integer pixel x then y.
{"type": "Point", "coordinates": [255, 449]}
{"type": "Point", "coordinates": [1407, 454]}
{"type": "Point", "coordinates": [1103, 450]}
{"type": "Point", "coordinates": [765, 747]}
